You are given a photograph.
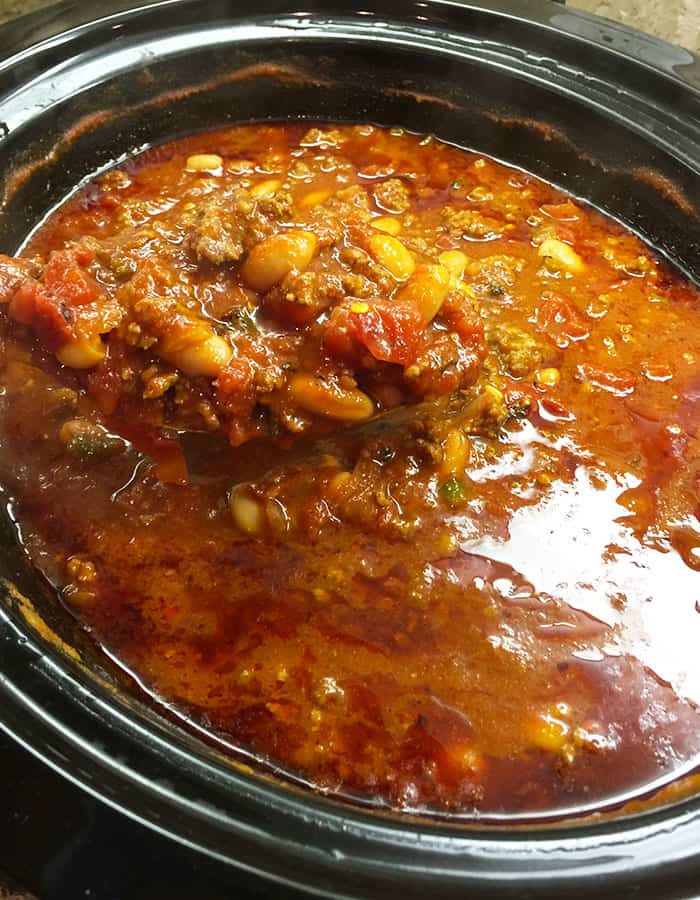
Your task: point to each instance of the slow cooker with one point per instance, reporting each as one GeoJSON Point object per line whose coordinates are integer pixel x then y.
{"type": "Point", "coordinates": [609, 114]}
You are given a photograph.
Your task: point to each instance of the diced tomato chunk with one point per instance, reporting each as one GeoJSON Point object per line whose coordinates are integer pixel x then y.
{"type": "Point", "coordinates": [562, 321]}
{"type": "Point", "coordinates": [67, 280]}
{"type": "Point", "coordinates": [23, 304]}
{"type": "Point", "coordinates": [235, 380]}
{"type": "Point", "coordinates": [235, 387]}
{"type": "Point", "coordinates": [83, 255]}
{"type": "Point", "coordinates": [390, 331]}
{"type": "Point", "coordinates": [48, 305]}
{"type": "Point", "coordinates": [460, 316]}
{"type": "Point", "coordinates": [619, 383]}
{"type": "Point", "coordinates": [339, 336]}
{"type": "Point", "coordinates": [50, 319]}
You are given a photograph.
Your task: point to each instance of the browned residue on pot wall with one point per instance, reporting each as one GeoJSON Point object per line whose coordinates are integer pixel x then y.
{"type": "Point", "coordinates": [283, 74]}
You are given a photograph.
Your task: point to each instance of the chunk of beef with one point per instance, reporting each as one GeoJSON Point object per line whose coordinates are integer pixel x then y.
{"type": "Point", "coordinates": [518, 352]}
{"type": "Point", "coordinates": [392, 196]}
{"type": "Point", "coordinates": [300, 297]}
{"type": "Point", "coordinates": [225, 228]}
{"type": "Point", "coordinates": [470, 223]}
{"type": "Point", "coordinates": [349, 206]}
{"type": "Point", "coordinates": [366, 276]}
{"type": "Point", "coordinates": [493, 277]}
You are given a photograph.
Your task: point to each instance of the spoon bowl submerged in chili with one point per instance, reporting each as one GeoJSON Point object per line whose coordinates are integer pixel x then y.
{"type": "Point", "coordinates": [469, 613]}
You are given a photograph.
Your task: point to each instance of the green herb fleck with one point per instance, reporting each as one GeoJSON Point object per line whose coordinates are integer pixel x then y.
{"type": "Point", "coordinates": [455, 491]}
{"type": "Point", "coordinates": [243, 319]}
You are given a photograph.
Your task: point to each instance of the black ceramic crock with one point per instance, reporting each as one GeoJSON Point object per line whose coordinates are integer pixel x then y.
{"type": "Point", "coordinates": [607, 113]}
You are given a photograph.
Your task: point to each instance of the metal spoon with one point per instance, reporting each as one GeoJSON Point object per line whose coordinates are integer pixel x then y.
{"type": "Point", "coordinates": [209, 457]}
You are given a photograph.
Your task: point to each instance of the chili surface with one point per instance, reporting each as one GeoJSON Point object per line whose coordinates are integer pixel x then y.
{"type": "Point", "coordinates": [438, 545]}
